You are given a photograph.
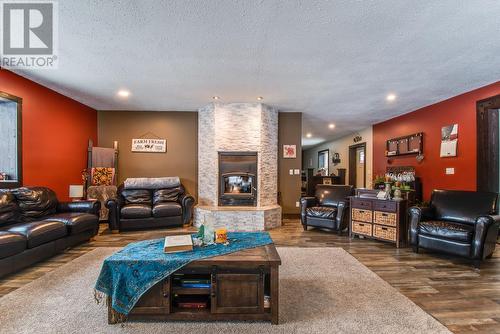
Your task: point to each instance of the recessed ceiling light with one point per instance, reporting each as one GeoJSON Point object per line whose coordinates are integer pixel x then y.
{"type": "Point", "coordinates": [309, 135]}
{"type": "Point", "coordinates": [215, 97]}
{"type": "Point", "coordinates": [390, 97]}
{"type": "Point", "coordinates": [260, 98]}
{"type": "Point", "coordinates": [123, 93]}
{"type": "Point", "coordinates": [331, 126]}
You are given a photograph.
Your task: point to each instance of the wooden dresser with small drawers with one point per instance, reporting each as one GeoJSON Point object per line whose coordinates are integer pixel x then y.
{"type": "Point", "coordinates": [379, 219]}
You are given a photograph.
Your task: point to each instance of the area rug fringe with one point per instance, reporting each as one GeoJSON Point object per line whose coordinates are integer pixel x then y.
{"type": "Point", "coordinates": [117, 316]}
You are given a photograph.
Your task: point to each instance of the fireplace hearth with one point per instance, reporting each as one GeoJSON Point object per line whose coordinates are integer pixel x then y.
{"type": "Point", "coordinates": [237, 178]}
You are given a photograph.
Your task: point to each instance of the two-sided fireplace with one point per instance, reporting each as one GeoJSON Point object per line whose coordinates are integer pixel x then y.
{"type": "Point", "coordinates": [238, 178]}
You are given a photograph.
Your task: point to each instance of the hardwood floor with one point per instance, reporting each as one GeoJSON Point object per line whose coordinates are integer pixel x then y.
{"type": "Point", "coordinates": [464, 299]}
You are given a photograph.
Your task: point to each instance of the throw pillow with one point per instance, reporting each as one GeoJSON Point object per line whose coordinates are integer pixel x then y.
{"type": "Point", "coordinates": [102, 176]}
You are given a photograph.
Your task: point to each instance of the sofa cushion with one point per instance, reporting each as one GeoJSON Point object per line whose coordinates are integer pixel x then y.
{"type": "Point", "coordinates": [11, 244]}
{"type": "Point", "coordinates": [167, 209]}
{"type": "Point", "coordinates": [76, 222]}
{"type": "Point", "coordinates": [135, 211]}
{"type": "Point", "coordinates": [322, 212]}
{"type": "Point", "coordinates": [167, 195]}
{"type": "Point", "coordinates": [40, 232]}
{"type": "Point", "coordinates": [136, 196]}
{"type": "Point", "coordinates": [448, 230]}
{"type": "Point", "coordinates": [8, 208]}
{"type": "Point", "coordinates": [35, 202]}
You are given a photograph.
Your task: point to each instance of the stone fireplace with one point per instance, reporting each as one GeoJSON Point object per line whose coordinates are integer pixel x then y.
{"type": "Point", "coordinates": [238, 166]}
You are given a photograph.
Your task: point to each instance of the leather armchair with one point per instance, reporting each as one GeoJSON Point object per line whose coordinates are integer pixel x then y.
{"type": "Point", "coordinates": [463, 223]}
{"type": "Point", "coordinates": [329, 208]}
{"type": "Point", "coordinates": [149, 208]}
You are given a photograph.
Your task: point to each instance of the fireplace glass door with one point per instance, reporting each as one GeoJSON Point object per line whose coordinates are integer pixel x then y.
{"type": "Point", "coordinates": [238, 184]}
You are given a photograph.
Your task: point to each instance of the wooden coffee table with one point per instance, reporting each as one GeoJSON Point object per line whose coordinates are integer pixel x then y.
{"type": "Point", "coordinates": [240, 282]}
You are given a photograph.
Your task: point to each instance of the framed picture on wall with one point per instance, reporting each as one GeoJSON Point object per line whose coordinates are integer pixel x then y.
{"type": "Point", "coordinates": [289, 151]}
{"type": "Point", "coordinates": [449, 141]}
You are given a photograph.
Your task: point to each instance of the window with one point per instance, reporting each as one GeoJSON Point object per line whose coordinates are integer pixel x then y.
{"type": "Point", "coordinates": [10, 141]}
{"type": "Point", "coordinates": [323, 158]}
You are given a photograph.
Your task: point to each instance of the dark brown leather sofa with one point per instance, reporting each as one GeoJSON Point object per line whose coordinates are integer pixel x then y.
{"type": "Point", "coordinates": [135, 209]}
{"type": "Point", "coordinates": [463, 223]}
{"type": "Point", "coordinates": [329, 208]}
{"type": "Point", "coordinates": [34, 225]}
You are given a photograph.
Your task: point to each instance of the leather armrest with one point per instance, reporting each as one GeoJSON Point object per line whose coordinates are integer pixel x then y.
{"type": "Point", "coordinates": [113, 206]}
{"type": "Point", "coordinates": [418, 214]}
{"type": "Point", "coordinates": [485, 236]}
{"type": "Point", "coordinates": [306, 202]}
{"type": "Point", "coordinates": [187, 203]}
{"type": "Point", "coordinates": [92, 207]}
{"type": "Point", "coordinates": [342, 215]}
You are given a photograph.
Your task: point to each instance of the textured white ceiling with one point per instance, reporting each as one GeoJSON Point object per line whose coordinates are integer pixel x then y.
{"type": "Point", "coordinates": [335, 61]}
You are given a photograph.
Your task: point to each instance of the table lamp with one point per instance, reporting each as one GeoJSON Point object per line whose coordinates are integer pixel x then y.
{"type": "Point", "coordinates": [76, 192]}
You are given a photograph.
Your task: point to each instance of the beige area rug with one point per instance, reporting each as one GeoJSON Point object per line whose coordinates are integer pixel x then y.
{"type": "Point", "coordinates": [322, 290]}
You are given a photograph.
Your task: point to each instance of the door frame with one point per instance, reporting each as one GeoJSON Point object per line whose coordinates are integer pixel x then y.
{"type": "Point", "coordinates": [487, 119]}
{"type": "Point", "coordinates": [352, 164]}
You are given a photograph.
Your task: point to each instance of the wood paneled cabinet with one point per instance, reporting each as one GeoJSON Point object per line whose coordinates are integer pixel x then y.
{"type": "Point", "coordinates": [238, 286]}
{"type": "Point", "coordinates": [379, 219]}
{"type": "Point", "coordinates": [238, 293]}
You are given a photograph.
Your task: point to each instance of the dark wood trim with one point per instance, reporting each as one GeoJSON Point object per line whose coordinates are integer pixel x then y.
{"type": "Point", "coordinates": [352, 164]}
{"type": "Point", "coordinates": [19, 102]}
{"type": "Point", "coordinates": [488, 144]}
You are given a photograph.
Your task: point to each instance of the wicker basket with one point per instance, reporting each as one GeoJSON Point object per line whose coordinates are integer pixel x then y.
{"type": "Point", "coordinates": [362, 228]}
{"type": "Point", "coordinates": [362, 215]}
{"type": "Point", "coordinates": [385, 218]}
{"type": "Point", "coordinates": [383, 232]}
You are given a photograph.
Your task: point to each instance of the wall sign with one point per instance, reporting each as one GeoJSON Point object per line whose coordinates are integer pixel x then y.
{"type": "Point", "coordinates": [149, 145]}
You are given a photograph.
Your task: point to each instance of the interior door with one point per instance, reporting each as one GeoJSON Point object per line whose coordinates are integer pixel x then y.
{"type": "Point", "coordinates": [238, 293]}
{"type": "Point", "coordinates": [360, 167]}
{"type": "Point", "coordinates": [488, 146]}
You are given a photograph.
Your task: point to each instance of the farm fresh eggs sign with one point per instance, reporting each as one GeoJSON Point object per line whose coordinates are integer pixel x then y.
{"type": "Point", "coordinates": [149, 145]}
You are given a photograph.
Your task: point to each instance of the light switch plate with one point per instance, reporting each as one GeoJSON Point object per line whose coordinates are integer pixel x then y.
{"type": "Point", "coordinates": [296, 171]}
{"type": "Point", "coordinates": [297, 204]}
{"type": "Point", "coordinates": [290, 172]}
{"type": "Point", "coordinates": [450, 171]}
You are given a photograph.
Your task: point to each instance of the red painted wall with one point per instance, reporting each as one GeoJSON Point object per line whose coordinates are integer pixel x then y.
{"type": "Point", "coordinates": [460, 109]}
{"type": "Point", "coordinates": [56, 130]}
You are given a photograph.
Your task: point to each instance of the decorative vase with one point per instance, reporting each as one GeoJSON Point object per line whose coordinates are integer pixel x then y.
{"type": "Point", "coordinates": [397, 194]}
{"type": "Point", "coordinates": [387, 190]}
{"type": "Point", "coordinates": [209, 232]}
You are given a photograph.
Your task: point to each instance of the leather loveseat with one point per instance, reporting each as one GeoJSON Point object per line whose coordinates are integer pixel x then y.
{"type": "Point", "coordinates": [463, 223]}
{"type": "Point", "coordinates": [34, 225]}
{"type": "Point", "coordinates": [135, 209]}
{"type": "Point", "coordinates": [329, 208]}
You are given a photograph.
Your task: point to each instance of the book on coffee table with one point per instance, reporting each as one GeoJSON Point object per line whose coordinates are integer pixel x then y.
{"type": "Point", "coordinates": [178, 243]}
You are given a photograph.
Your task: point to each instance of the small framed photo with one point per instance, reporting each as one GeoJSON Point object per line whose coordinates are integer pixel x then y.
{"type": "Point", "coordinates": [327, 180]}
{"type": "Point", "coordinates": [289, 151]}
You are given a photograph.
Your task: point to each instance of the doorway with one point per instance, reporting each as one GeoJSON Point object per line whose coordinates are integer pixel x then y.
{"type": "Point", "coordinates": [357, 165]}
{"type": "Point", "coordinates": [323, 160]}
{"type": "Point", "coordinates": [488, 145]}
